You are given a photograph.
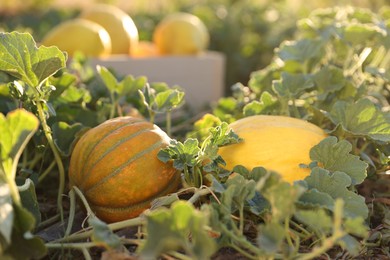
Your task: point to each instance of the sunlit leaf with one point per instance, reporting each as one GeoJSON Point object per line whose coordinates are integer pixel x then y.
{"type": "Point", "coordinates": [300, 51]}
{"type": "Point", "coordinates": [265, 105]}
{"type": "Point", "coordinates": [108, 78]}
{"type": "Point", "coordinates": [362, 118]}
{"type": "Point", "coordinates": [169, 99]}
{"type": "Point", "coordinates": [358, 33]}
{"type": "Point", "coordinates": [21, 58]}
{"type": "Point", "coordinates": [201, 128]}
{"type": "Point", "coordinates": [16, 130]}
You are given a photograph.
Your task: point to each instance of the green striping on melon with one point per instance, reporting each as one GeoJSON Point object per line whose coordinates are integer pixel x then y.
{"type": "Point", "coordinates": [116, 167]}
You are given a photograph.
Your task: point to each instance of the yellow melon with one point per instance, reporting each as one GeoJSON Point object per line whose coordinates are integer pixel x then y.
{"type": "Point", "coordinates": [181, 34]}
{"type": "Point", "coordinates": [79, 35]}
{"type": "Point", "coordinates": [277, 143]}
{"type": "Point", "coordinates": [119, 25]}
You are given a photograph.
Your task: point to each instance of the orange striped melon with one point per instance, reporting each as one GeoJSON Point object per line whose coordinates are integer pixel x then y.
{"type": "Point", "coordinates": [116, 167]}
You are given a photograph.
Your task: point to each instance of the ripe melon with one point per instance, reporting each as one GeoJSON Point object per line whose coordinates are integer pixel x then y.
{"type": "Point", "coordinates": [181, 34]}
{"type": "Point", "coordinates": [277, 143]}
{"type": "Point", "coordinates": [116, 167]}
{"type": "Point", "coordinates": [145, 49]}
{"type": "Point", "coordinates": [78, 35]}
{"type": "Point", "coordinates": [119, 25]}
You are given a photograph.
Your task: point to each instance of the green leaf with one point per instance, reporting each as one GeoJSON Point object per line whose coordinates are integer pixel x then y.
{"type": "Point", "coordinates": [239, 190]}
{"type": "Point", "coordinates": [362, 118]}
{"type": "Point", "coordinates": [358, 33]}
{"type": "Point", "coordinates": [24, 244]}
{"type": "Point", "coordinates": [20, 57]}
{"type": "Point", "coordinates": [103, 235]}
{"type": "Point", "coordinates": [61, 84]}
{"type": "Point", "coordinates": [336, 156]}
{"type": "Point", "coordinates": [356, 227]}
{"type": "Point", "coordinates": [64, 136]}
{"type": "Point", "coordinates": [223, 135]}
{"type": "Point", "coordinates": [265, 105]}
{"type": "Point", "coordinates": [336, 186]}
{"type": "Point", "coordinates": [257, 204]}
{"type": "Point", "coordinates": [147, 95]}
{"type": "Point", "coordinates": [271, 236]}
{"type": "Point", "coordinates": [181, 227]}
{"type": "Point", "coordinates": [74, 94]}
{"type": "Point", "coordinates": [201, 128]}
{"type": "Point", "coordinates": [351, 244]}
{"type": "Point", "coordinates": [300, 51]}
{"type": "Point", "coordinates": [182, 154]}
{"type": "Point", "coordinates": [16, 130]}
{"type": "Point", "coordinates": [29, 199]}
{"type": "Point", "coordinates": [329, 79]}
{"type": "Point", "coordinates": [317, 220]}
{"type": "Point", "coordinates": [168, 100]}
{"type": "Point", "coordinates": [282, 197]}
{"type": "Point", "coordinates": [108, 78]}
{"type": "Point", "coordinates": [292, 85]}
{"type": "Point", "coordinates": [314, 198]}
{"type": "Point", "coordinates": [130, 85]}
{"type": "Point", "coordinates": [7, 213]}
{"type": "Point", "coordinates": [225, 108]}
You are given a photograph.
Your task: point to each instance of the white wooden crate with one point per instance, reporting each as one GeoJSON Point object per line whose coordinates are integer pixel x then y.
{"type": "Point", "coordinates": [201, 76]}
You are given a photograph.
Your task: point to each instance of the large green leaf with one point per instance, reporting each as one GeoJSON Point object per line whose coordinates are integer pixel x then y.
{"type": "Point", "coordinates": [334, 185]}
{"type": "Point", "coordinates": [20, 57]}
{"type": "Point", "coordinates": [291, 85]}
{"type": "Point", "coordinates": [335, 156]}
{"type": "Point", "coordinates": [362, 118]}
{"type": "Point", "coordinates": [24, 244]}
{"type": "Point", "coordinates": [300, 51]}
{"type": "Point", "coordinates": [16, 130]}
{"type": "Point", "coordinates": [181, 227]}
{"type": "Point", "coordinates": [329, 79]}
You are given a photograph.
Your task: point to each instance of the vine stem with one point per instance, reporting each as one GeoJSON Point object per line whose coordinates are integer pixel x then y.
{"type": "Point", "coordinates": [14, 191]}
{"type": "Point", "coordinates": [198, 194]}
{"type": "Point", "coordinates": [169, 122]}
{"type": "Point", "coordinates": [113, 227]}
{"type": "Point", "coordinates": [57, 157]}
{"type": "Point", "coordinates": [47, 171]}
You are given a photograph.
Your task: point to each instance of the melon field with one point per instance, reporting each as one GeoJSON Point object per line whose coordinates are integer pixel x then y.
{"type": "Point", "coordinates": [292, 162]}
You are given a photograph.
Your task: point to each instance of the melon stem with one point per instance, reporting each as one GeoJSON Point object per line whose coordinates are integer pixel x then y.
{"type": "Point", "coordinates": [57, 157]}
